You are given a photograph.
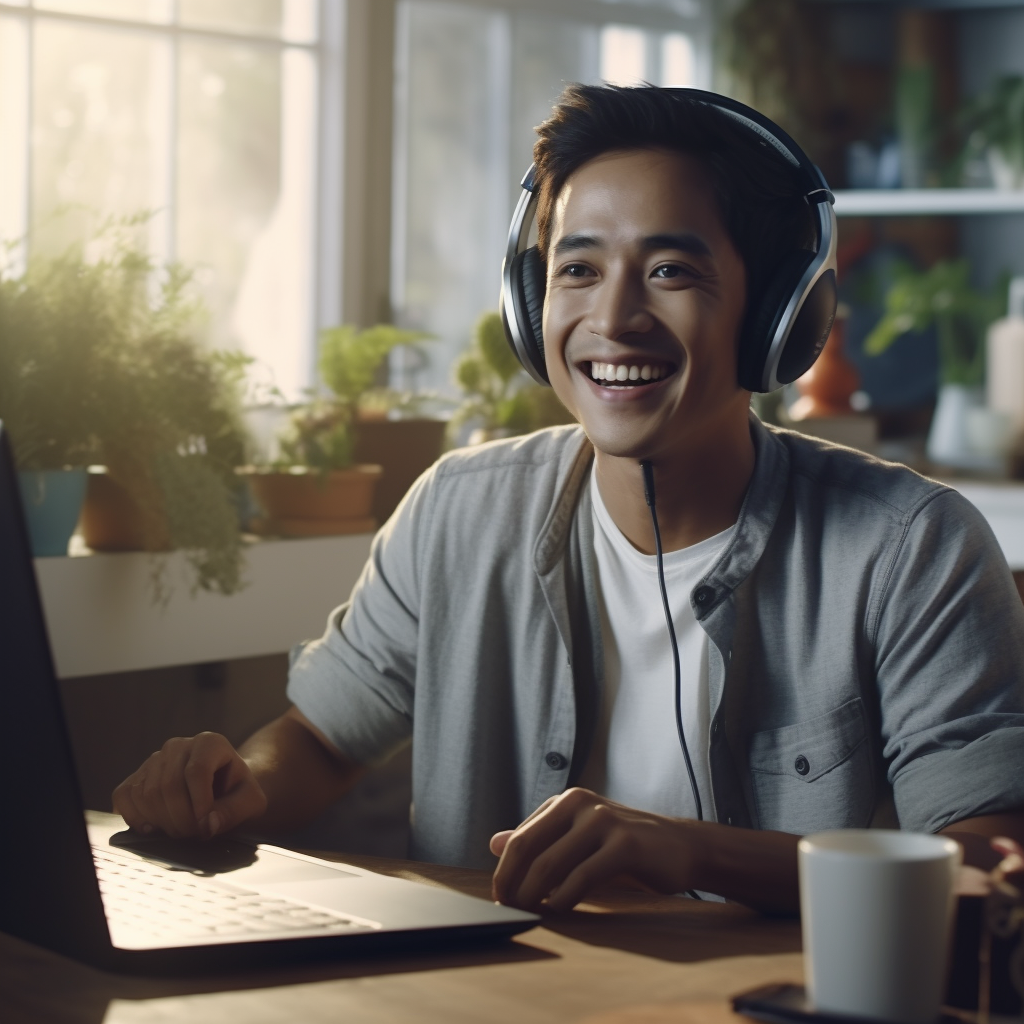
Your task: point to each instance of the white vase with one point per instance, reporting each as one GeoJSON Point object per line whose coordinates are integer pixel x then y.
{"type": "Point", "coordinates": [1006, 176]}
{"type": "Point", "coordinates": [950, 441]}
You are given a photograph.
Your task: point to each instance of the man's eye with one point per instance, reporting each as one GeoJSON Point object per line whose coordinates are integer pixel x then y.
{"type": "Point", "coordinates": [576, 270]}
{"type": "Point", "coordinates": [670, 270]}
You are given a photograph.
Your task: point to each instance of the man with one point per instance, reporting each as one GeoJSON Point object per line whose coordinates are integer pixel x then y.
{"type": "Point", "coordinates": [851, 644]}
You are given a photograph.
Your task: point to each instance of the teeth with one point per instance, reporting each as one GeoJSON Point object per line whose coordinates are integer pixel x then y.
{"type": "Point", "coordinates": [611, 371]}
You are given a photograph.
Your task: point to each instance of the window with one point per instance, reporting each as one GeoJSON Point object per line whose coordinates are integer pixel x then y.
{"type": "Point", "coordinates": [472, 80]}
{"type": "Point", "coordinates": [209, 113]}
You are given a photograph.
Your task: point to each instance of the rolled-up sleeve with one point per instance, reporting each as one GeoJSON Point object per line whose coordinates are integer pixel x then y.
{"type": "Point", "coordinates": [356, 683]}
{"type": "Point", "coordinates": [950, 670]}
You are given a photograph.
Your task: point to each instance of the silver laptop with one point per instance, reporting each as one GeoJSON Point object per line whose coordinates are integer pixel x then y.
{"type": "Point", "coordinates": [103, 895]}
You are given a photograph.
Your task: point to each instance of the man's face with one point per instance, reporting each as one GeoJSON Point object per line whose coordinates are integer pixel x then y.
{"type": "Point", "coordinates": [643, 282]}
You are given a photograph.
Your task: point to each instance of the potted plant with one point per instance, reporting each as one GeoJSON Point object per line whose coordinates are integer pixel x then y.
{"type": "Point", "coordinates": [102, 364]}
{"type": "Point", "coordinates": [318, 486]}
{"type": "Point", "coordinates": [500, 399]}
{"type": "Point", "coordinates": [995, 122]}
{"type": "Point", "coordinates": [943, 297]}
{"type": "Point", "coordinates": [53, 328]}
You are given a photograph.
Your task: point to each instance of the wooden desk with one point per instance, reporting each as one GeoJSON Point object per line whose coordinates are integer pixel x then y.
{"type": "Point", "coordinates": [627, 958]}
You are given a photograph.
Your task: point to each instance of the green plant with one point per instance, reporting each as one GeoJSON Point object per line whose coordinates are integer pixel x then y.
{"type": "Point", "coordinates": [498, 393]}
{"type": "Point", "coordinates": [774, 56]}
{"type": "Point", "coordinates": [100, 361]}
{"type": "Point", "coordinates": [321, 433]}
{"type": "Point", "coordinates": [941, 296]}
{"type": "Point", "coordinates": [995, 119]}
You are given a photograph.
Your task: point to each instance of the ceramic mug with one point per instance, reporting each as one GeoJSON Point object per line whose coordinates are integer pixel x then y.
{"type": "Point", "coordinates": [877, 912]}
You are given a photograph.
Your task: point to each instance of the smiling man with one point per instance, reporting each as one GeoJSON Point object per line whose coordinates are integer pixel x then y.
{"type": "Point", "coordinates": [850, 646]}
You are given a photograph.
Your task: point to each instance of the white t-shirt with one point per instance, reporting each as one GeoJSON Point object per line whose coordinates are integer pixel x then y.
{"type": "Point", "coordinates": [636, 759]}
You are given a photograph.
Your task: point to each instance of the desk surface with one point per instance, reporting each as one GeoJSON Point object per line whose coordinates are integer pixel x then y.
{"type": "Point", "coordinates": [624, 959]}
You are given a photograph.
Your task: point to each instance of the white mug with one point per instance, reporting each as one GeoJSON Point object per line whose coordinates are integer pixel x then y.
{"type": "Point", "coordinates": [877, 912]}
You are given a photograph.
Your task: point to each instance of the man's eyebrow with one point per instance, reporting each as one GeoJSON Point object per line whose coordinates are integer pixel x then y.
{"type": "Point", "coordinates": [692, 244]}
{"type": "Point", "coordinates": [686, 242]}
{"type": "Point", "coordinates": [572, 243]}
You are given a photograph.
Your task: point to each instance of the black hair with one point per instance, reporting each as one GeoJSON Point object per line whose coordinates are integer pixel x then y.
{"type": "Point", "coordinates": [759, 194]}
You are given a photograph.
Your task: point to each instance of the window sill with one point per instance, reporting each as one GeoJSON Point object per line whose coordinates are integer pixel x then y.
{"type": "Point", "coordinates": [102, 617]}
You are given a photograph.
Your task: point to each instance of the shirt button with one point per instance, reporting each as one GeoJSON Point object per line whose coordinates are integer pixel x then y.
{"type": "Point", "coordinates": [555, 761]}
{"type": "Point", "coordinates": [704, 595]}
{"type": "Point", "coordinates": [801, 765]}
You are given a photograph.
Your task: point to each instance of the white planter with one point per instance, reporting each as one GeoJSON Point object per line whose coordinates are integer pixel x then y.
{"type": "Point", "coordinates": [1006, 177]}
{"type": "Point", "coordinates": [956, 429]}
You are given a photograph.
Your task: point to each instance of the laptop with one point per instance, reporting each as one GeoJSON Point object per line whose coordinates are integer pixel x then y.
{"type": "Point", "coordinates": [99, 893]}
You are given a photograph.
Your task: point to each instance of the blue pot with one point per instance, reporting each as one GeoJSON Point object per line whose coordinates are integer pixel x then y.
{"type": "Point", "coordinates": [53, 502]}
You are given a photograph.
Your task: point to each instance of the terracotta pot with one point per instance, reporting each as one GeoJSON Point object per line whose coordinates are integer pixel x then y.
{"type": "Point", "coordinates": [825, 389]}
{"type": "Point", "coordinates": [404, 448]}
{"type": "Point", "coordinates": [309, 504]}
{"type": "Point", "coordinates": [112, 521]}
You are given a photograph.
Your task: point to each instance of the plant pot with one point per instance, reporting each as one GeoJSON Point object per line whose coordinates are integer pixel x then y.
{"type": "Point", "coordinates": [404, 449]}
{"type": "Point", "coordinates": [1006, 176]}
{"type": "Point", "coordinates": [52, 499]}
{"type": "Point", "coordinates": [112, 520]}
{"type": "Point", "coordinates": [304, 503]}
{"type": "Point", "coordinates": [952, 437]}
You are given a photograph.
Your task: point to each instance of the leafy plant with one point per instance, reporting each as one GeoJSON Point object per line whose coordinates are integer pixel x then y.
{"type": "Point", "coordinates": [498, 392]}
{"type": "Point", "coordinates": [942, 296]}
{"type": "Point", "coordinates": [995, 119]}
{"type": "Point", "coordinates": [321, 434]}
{"type": "Point", "coordinates": [100, 361]}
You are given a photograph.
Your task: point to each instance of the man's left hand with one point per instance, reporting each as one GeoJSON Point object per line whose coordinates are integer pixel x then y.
{"type": "Point", "coordinates": [577, 841]}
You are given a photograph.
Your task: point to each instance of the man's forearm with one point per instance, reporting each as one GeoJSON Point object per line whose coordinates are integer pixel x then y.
{"type": "Point", "coordinates": [298, 772]}
{"type": "Point", "coordinates": [752, 867]}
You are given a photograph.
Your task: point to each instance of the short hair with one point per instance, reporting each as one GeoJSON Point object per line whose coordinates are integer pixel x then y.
{"type": "Point", "coordinates": [758, 192]}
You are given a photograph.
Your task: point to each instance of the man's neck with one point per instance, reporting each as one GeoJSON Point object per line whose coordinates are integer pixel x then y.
{"type": "Point", "coordinates": [699, 490]}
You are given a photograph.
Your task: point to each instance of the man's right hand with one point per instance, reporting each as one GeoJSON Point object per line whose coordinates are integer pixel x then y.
{"type": "Point", "coordinates": [196, 787]}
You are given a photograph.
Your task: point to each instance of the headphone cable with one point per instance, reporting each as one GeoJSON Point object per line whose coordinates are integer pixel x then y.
{"type": "Point", "coordinates": [648, 472]}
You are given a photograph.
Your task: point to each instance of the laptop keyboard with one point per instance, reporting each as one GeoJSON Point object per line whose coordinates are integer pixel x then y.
{"type": "Point", "coordinates": [147, 904]}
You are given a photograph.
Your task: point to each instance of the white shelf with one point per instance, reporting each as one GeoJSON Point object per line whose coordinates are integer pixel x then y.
{"type": "Point", "coordinates": [910, 202]}
{"type": "Point", "coordinates": [1002, 504]}
{"type": "Point", "coordinates": [101, 616]}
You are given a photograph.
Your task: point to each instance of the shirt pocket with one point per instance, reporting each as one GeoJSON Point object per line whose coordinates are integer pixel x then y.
{"type": "Point", "coordinates": [814, 775]}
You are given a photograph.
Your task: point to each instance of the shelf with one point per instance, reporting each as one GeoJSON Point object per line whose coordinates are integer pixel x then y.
{"type": "Point", "coordinates": [101, 616]}
{"type": "Point", "coordinates": [917, 202]}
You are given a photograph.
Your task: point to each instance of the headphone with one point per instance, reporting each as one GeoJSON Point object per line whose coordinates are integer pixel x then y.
{"type": "Point", "coordinates": [783, 332]}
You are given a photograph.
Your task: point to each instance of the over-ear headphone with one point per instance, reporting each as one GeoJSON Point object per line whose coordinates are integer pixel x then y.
{"type": "Point", "coordinates": [786, 327]}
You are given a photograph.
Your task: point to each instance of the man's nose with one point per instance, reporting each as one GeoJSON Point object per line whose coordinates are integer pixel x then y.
{"type": "Point", "coordinates": [619, 307]}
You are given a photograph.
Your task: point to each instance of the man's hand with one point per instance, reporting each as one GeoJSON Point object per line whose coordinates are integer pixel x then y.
{"type": "Point", "coordinates": [578, 840]}
{"type": "Point", "coordinates": [285, 775]}
{"type": "Point", "coordinates": [192, 787]}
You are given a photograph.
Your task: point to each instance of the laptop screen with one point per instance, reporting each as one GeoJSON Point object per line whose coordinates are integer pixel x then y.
{"type": "Point", "coordinates": [50, 895]}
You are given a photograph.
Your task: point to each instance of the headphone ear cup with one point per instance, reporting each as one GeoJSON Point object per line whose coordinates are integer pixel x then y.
{"type": "Point", "coordinates": [762, 320]}
{"type": "Point", "coordinates": [529, 277]}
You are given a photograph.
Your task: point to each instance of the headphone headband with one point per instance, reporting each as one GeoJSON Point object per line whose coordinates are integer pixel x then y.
{"type": "Point", "coordinates": [784, 331]}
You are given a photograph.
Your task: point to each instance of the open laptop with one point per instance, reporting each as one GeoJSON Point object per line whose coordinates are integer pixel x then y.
{"type": "Point", "coordinates": [120, 902]}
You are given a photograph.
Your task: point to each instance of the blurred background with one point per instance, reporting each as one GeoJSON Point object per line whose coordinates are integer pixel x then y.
{"type": "Point", "coordinates": [333, 182]}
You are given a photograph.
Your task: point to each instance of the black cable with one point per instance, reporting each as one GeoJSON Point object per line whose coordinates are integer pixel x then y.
{"type": "Point", "coordinates": [648, 471]}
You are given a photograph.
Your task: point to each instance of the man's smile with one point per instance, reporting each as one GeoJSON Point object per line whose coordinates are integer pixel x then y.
{"type": "Point", "coordinates": [628, 373]}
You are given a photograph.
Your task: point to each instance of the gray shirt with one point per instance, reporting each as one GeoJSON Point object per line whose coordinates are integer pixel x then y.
{"type": "Point", "coordinates": [866, 646]}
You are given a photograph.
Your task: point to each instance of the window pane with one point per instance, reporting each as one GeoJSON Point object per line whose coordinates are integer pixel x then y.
{"type": "Point", "coordinates": [133, 10]}
{"type": "Point", "coordinates": [293, 20]}
{"type": "Point", "coordinates": [677, 60]}
{"type": "Point", "coordinates": [99, 129]}
{"type": "Point", "coordinates": [245, 187]}
{"type": "Point", "coordinates": [13, 129]}
{"type": "Point", "coordinates": [623, 55]}
{"type": "Point", "coordinates": [464, 138]}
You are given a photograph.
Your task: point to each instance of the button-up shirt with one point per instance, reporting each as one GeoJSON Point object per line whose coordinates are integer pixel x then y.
{"type": "Point", "coordinates": [866, 646]}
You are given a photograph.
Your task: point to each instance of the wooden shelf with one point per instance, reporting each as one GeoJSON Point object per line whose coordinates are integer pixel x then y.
{"type": "Point", "coordinates": [101, 615]}
{"type": "Point", "coordinates": [914, 202]}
